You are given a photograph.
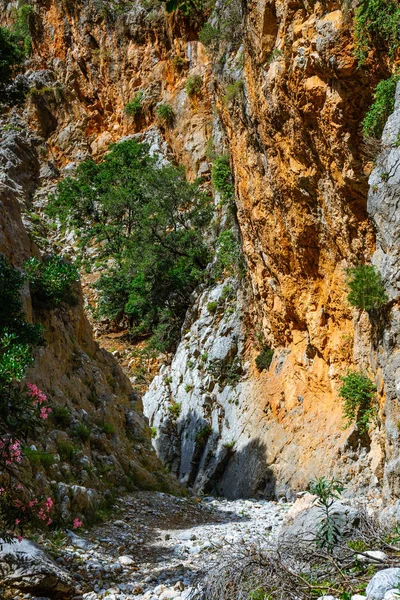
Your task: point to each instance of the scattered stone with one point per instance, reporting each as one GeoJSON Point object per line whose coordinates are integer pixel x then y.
{"type": "Point", "coordinates": [382, 582]}
{"type": "Point", "coordinates": [126, 561]}
{"type": "Point", "coordinates": [372, 556]}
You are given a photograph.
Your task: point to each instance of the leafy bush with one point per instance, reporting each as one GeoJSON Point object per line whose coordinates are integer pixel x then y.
{"type": "Point", "coordinates": [154, 432]}
{"type": "Point", "coordinates": [61, 416]}
{"type": "Point", "coordinates": [229, 259]}
{"type": "Point", "coordinates": [22, 27]}
{"type": "Point", "coordinates": [179, 63]}
{"type": "Point", "coordinates": [50, 281]}
{"type": "Point", "coordinates": [377, 23]}
{"type": "Point", "coordinates": [233, 91]}
{"type": "Point", "coordinates": [194, 85]}
{"type": "Point", "coordinates": [150, 221]}
{"type": "Point", "coordinates": [174, 409]}
{"type": "Point", "coordinates": [107, 428]}
{"type": "Point", "coordinates": [329, 531]}
{"type": "Point", "coordinates": [11, 54]}
{"type": "Point", "coordinates": [366, 288]}
{"type": "Point", "coordinates": [22, 407]}
{"type": "Point", "coordinates": [212, 307]}
{"type": "Point", "coordinates": [134, 107]}
{"type": "Point", "coordinates": [384, 98]}
{"type": "Point", "coordinates": [83, 432]}
{"type": "Point", "coordinates": [66, 450]}
{"type": "Point", "coordinates": [264, 359]}
{"type": "Point", "coordinates": [226, 372]}
{"type": "Point", "coordinates": [210, 36]}
{"type": "Point", "coordinates": [165, 113]}
{"type": "Point", "coordinates": [203, 434]}
{"type": "Point", "coordinates": [222, 180]}
{"type": "Point", "coordinates": [358, 393]}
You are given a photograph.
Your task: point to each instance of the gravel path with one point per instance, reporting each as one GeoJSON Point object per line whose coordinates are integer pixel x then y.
{"type": "Point", "coordinates": [160, 544]}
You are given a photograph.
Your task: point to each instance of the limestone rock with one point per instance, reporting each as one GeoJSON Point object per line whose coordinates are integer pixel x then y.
{"type": "Point", "coordinates": [25, 566]}
{"type": "Point", "coordinates": [382, 582]}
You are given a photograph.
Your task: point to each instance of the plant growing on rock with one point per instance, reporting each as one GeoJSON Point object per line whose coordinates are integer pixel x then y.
{"type": "Point", "coordinates": [358, 393]}
{"type": "Point", "coordinates": [377, 24]}
{"type": "Point", "coordinates": [264, 359]}
{"type": "Point", "coordinates": [50, 281]}
{"type": "Point", "coordinates": [229, 259]}
{"type": "Point", "coordinates": [165, 114]}
{"type": "Point", "coordinates": [382, 107]}
{"type": "Point", "coordinates": [222, 180]}
{"type": "Point", "coordinates": [134, 107]}
{"type": "Point", "coordinates": [366, 287]}
{"type": "Point", "coordinates": [194, 85]}
{"type": "Point", "coordinates": [329, 530]}
{"type": "Point", "coordinates": [233, 91]}
{"type": "Point", "coordinates": [174, 409]}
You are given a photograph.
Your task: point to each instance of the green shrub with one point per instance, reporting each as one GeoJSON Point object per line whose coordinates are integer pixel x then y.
{"type": "Point", "coordinates": [383, 106]}
{"type": "Point", "coordinates": [107, 428]}
{"type": "Point", "coordinates": [36, 457]}
{"type": "Point", "coordinates": [330, 528]}
{"type": "Point", "coordinates": [366, 288]}
{"type": "Point", "coordinates": [226, 372]}
{"type": "Point", "coordinates": [222, 180]}
{"type": "Point", "coordinates": [358, 393]}
{"type": "Point", "coordinates": [212, 307]}
{"type": "Point", "coordinates": [174, 409]}
{"type": "Point", "coordinates": [11, 54]}
{"type": "Point", "coordinates": [264, 359]}
{"type": "Point", "coordinates": [194, 85]}
{"type": "Point", "coordinates": [22, 26]}
{"type": "Point", "coordinates": [134, 107]}
{"type": "Point", "coordinates": [203, 434]}
{"type": "Point", "coordinates": [229, 445]}
{"type": "Point", "coordinates": [229, 259]}
{"type": "Point", "coordinates": [154, 432]}
{"type": "Point", "coordinates": [50, 281]}
{"type": "Point", "coordinates": [189, 387]}
{"type": "Point", "coordinates": [83, 432]}
{"type": "Point", "coordinates": [233, 91]}
{"type": "Point", "coordinates": [377, 23]}
{"type": "Point", "coordinates": [210, 36]}
{"type": "Point", "coordinates": [179, 63]}
{"type": "Point", "coordinates": [66, 450]}
{"type": "Point", "coordinates": [165, 114]}
{"type": "Point", "coordinates": [61, 416]}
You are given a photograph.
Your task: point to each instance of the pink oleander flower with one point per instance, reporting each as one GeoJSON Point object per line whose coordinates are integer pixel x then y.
{"type": "Point", "coordinates": [17, 521]}
{"type": "Point", "coordinates": [77, 523]}
{"type": "Point", "coordinates": [44, 412]}
{"type": "Point", "coordinates": [36, 394]}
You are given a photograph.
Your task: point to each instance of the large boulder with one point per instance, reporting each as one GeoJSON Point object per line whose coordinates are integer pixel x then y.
{"type": "Point", "coordinates": [25, 566]}
{"type": "Point", "coordinates": [382, 582]}
{"type": "Point", "coordinates": [303, 528]}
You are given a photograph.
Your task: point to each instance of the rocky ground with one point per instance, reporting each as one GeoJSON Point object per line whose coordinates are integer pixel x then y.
{"type": "Point", "coordinates": [160, 545]}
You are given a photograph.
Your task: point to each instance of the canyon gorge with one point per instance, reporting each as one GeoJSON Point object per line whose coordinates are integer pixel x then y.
{"type": "Point", "coordinates": [263, 105]}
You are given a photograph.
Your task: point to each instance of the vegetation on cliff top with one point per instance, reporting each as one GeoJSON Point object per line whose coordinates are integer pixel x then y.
{"type": "Point", "coordinates": [377, 24]}
{"type": "Point", "coordinates": [149, 223]}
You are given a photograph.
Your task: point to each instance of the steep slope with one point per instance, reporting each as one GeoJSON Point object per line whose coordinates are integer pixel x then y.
{"type": "Point", "coordinates": [84, 384]}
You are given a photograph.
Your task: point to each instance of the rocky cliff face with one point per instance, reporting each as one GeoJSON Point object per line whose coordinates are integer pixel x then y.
{"type": "Point", "coordinates": [287, 105]}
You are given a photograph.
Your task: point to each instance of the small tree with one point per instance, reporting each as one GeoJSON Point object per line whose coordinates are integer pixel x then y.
{"type": "Point", "coordinates": [329, 530]}
{"type": "Point", "coordinates": [358, 393]}
{"type": "Point", "coordinates": [366, 288]}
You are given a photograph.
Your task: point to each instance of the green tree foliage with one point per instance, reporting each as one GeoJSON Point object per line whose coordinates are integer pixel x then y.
{"type": "Point", "coordinates": [377, 23]}
{"type": "Point", "coordinates": [264, 359]}
{"type": "Point", "coordinates": [329, 530]}
{"type": "Point", "coordinates": [151, 221]}
{"type": "Point", "coordinates": [222, 180]}
{"type": "Point", "coordinates": [165, 114]}
{"type": "Point", "coordinates": [11, 54]}
{"type": "Point", "coordinates": [51, 280]}
{"type": "Point", "coordinates": [382, 107]}
{"type": "Point", "coordinates": [358, 393]}
{"type": "Point", "coordinates": [366, 288]}
{"type": "Point", "coordinates": [229, 257]}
